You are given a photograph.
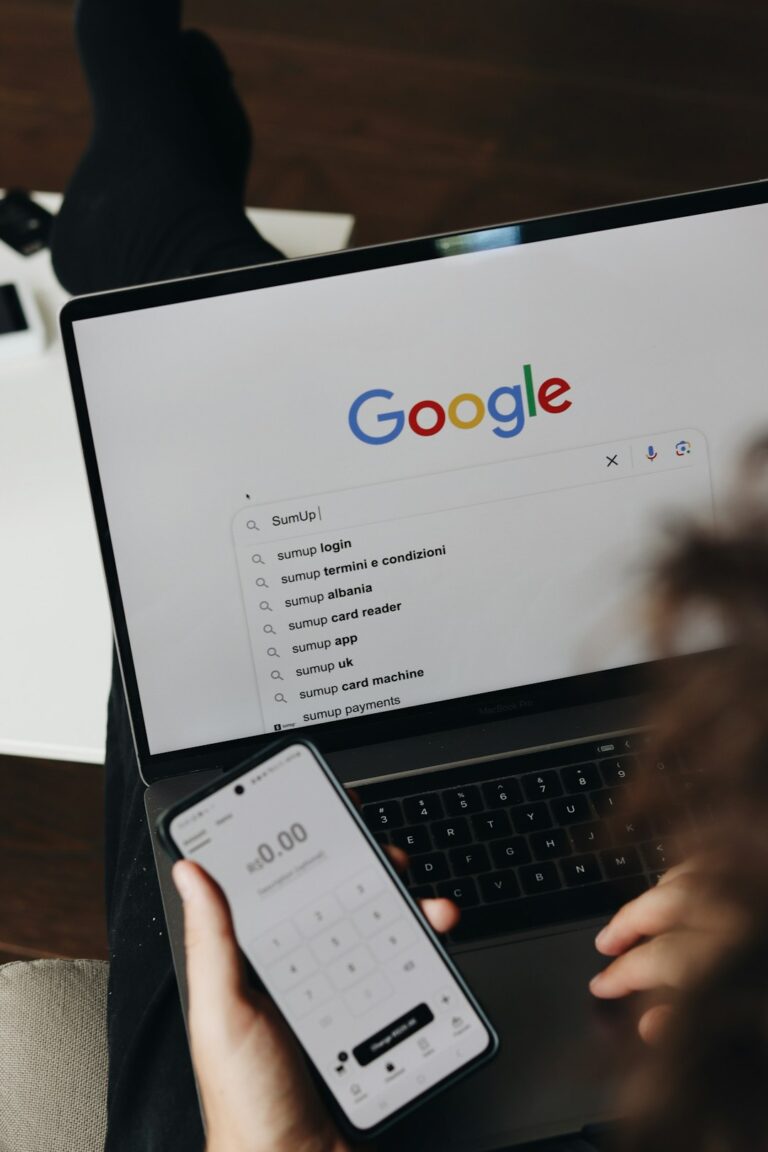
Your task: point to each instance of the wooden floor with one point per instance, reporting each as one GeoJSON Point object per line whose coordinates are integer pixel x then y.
{"type": "Point", "coordinates": [417, 116]}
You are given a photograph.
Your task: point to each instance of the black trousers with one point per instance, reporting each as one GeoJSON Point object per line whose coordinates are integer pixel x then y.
{"type": "Point", "coordinates": [126, 220]}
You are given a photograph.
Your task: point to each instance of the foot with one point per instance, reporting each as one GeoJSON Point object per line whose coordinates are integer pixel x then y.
{"type": "Point", "coordinates": [170, 150]}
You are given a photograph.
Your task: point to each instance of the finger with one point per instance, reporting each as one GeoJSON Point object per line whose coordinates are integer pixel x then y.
{"type": "Point", "coordinates": [442, 914]}
{"type": "Point", "coordinates": [677, 870]}
{"type": "Point", "coordinates": [213, 964]}
{"type": "Point", "coordinates": [653, 1023]}
{"type": "Point", "coordinates": [657, 910]}
{"type": "Point", "coordinates": [660, 962]}
{"type": "Point", "coordinates": [398, 857]}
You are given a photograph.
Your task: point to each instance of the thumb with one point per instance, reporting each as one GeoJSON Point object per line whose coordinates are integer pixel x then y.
{"type": "Point", "coordinates": [214, 966]}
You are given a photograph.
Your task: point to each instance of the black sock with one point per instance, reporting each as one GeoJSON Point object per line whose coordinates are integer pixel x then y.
{"type": "Point", "coordinates": [159, 191]}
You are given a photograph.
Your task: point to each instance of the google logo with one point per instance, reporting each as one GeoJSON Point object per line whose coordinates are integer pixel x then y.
{"type": "Point", "coordinates": [508, 406]}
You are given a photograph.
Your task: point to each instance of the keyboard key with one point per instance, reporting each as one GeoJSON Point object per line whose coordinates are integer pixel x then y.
{"type": "Point", "coordinates": [551, 844]}
{"type": "Point", "coordinates": [572, 810]}
{"type": "Point", "coordinates": [469, 860]}
{"type": "Point", "coordinates": [587, 837]}
{"type": "Point", "coordinates": [505, 917]}
{"type": "Point", "coordinates": [621, 862]}
{"type": "Point", "coordinates": [531, 817]}
{"type": "Point", "coordinates": [608, 801]}
{"type": "Point", "coordinates": [499, 793]}
{"type": "Point", "coordinates": [491, 825]}
{"type": "Point", "coordinates": [580, 777]}
{"type": "Point", "coordinates": [664, 822]}
{"type": "Point", "coordinates": [617, 771]}
{"type": "Point", "coordinates": [448, 833]}
{"type": "Point", "coordinates": [666, 767]}
{"type": "Point", "coordinates": [461, 800]}
{"type": "Point", "coordinates": [462, 891]}
{"type": "Point", "coordinates": [658, 855]}
{"type": "Point", "coordinates": [422, 891]}
{"type": "Point", "coordinates": [428, 868]}
{"type": "Point", "coordinates": [683, 787]}
{"type": "Point", "coordinates": [539, 878]}
{"type": "Point", "coordinates": [417, 809]}
{"type": "Point", "coordinates": [499, 886]}
{"type": "Point", "coordinates": [581, 870]}
{"type": "Point", "coordinates": [630, 831]}
{"type": "Point", "coordinates": [412, 840]}
{"type": "Point", "coordinates": [511, 851]}
{"type": "Point", "coordinates": [541, 785]}
{"type": "Point", "coordinates": [634, 743]}
{"type": "Point", "coordinates": [383, 816]}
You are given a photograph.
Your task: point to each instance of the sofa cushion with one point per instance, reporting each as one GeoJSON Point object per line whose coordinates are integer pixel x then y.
{"type": "Point", "coordinates": [53, 1056]}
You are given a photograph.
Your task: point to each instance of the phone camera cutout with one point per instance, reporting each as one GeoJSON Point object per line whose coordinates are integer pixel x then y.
{"type": "Point", "coordinates": [239, 789]}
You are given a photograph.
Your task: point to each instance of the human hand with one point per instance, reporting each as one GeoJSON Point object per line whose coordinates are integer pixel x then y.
{"type": "Point", "coordinates": [256, 1091]}
{"type": "Point", "coordinates": [663, 941]}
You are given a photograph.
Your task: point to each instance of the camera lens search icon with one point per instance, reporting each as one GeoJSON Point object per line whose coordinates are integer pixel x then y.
{"type": "Point", "coordinates": [280, 698]}
{"type": "Point", "coordinates": [252, 525]}
{"type": "Point", "coordinates": [269, 630]}
{"type": "Point", "coordinates": [256, 558]}
{"type": "Point", "coordinates": [261, 582]}
{"type": "Point", "coordinates": [273, 652]}
{"type": "Point", "coordinates": [276, 675]}
{"type": "Point", "coordinates": [265, 606]}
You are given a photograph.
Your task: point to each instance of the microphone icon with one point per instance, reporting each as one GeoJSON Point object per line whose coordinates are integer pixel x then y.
{"type": "Point", "coordinates": [651, 454]}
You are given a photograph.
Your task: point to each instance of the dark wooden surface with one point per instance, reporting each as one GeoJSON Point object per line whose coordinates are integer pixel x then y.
{"type": "Point", "coordinates": [417, 116]}
{"type": "Point", "coordinates": [51, 871]}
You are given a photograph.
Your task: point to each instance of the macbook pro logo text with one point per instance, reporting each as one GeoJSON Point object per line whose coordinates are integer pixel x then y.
{"type": "Point", "coordinates": [507, 408]}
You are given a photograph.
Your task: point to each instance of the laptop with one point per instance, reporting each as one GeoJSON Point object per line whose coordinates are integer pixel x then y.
{"type": "Point", "coordinates": [404, 500]}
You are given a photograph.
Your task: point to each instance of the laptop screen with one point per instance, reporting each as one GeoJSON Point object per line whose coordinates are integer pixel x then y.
{"type": "Point", "coordinates": [381, 489]}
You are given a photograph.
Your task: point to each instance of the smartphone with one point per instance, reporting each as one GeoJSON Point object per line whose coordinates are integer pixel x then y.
{"type": "Point", "coordinates": [384, 1017]}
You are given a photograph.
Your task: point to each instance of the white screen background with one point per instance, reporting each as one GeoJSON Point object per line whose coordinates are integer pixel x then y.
{"type": "Point", "coordinates": [194, 405]}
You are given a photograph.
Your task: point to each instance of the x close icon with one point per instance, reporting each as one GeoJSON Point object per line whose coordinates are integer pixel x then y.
{"type": "Point", "coordinates": [612, 461]}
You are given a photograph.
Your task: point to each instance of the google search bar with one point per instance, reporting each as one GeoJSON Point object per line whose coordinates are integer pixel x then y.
{"type": "Point", "coordinates": [471, 486]}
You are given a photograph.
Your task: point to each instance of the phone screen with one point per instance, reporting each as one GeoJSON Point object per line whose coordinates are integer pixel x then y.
{"type": "Point", "coordinates": [373, 1001]}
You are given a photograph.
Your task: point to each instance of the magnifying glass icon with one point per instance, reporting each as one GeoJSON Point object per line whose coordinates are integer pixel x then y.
{"type": "Point", "coordinates": [269, 629]}
{"type": "Point", "coordinates": [280, 698]}
{"type": "Point", "coordinates": [273, 652]}
{"type": "Point", "coordinates": [252, 524]}
{"type": "Point", "coordinates": [276, 675]}
{"type": "Point", "coordinates": [265, 606]}
{"type": "Point", "coordinates": [261, 582]}
{"type": "Point", "coordinates": [256, 558]}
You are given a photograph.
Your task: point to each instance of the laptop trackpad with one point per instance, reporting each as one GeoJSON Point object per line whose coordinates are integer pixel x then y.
{"type": "Point", "coordinates": [560, 1055]}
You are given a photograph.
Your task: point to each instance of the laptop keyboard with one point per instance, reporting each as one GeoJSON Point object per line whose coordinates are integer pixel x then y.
{"type": "Point", "coordinates": [525, 841]}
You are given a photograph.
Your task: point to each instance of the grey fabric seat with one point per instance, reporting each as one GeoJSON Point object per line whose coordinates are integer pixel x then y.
{"type": "Point", "coordinates": [53, 1056]}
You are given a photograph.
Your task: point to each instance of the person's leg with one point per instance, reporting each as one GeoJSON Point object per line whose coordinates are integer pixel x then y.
{"type": "Point", "coordinates": [159, 191]}
{"type": "Point", "coordinates": [157, 195]}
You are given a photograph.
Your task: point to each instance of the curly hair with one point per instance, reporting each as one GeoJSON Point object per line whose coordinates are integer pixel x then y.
{"type": "Point", "coordinates": [704, 1089]}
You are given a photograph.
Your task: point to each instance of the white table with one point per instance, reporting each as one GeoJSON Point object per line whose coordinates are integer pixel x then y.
{"type": "Point", "coordinates": [55, 627]}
